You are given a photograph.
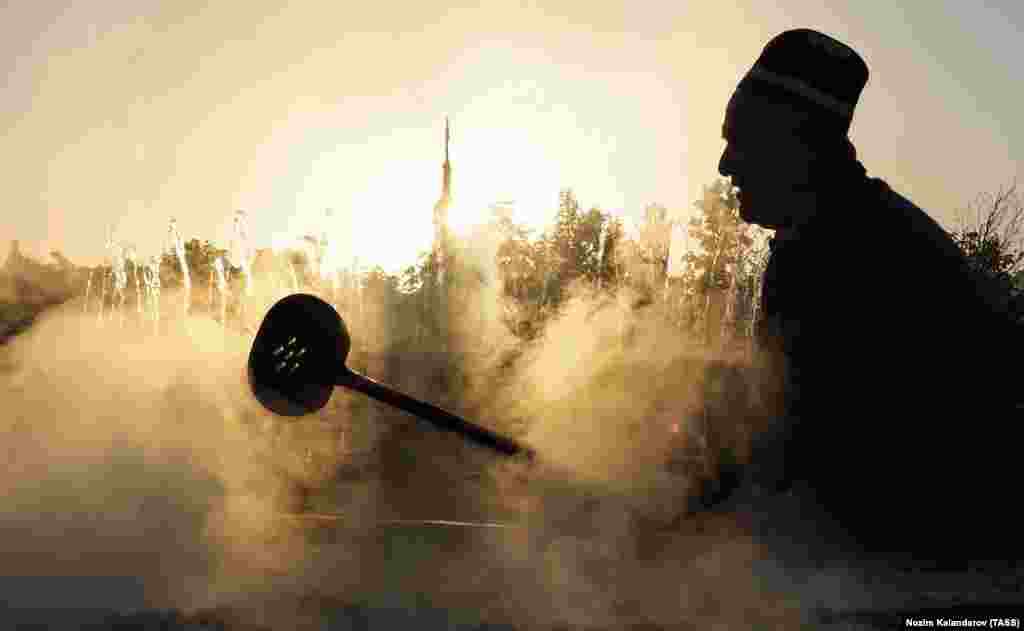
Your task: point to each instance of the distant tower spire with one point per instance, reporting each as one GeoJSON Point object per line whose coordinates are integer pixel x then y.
{"type": "Point", "coordinates": [441, 241]}
{"type": "Point", "coordinates": [441, 208]}
{"type": "Point", "coordinates": [446, 184]}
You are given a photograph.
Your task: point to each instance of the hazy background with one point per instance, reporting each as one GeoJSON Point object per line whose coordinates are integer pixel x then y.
{"type": "Point", "coordinates": [128, 454]}
{"type": "Point", "coordinates": [129, 113]}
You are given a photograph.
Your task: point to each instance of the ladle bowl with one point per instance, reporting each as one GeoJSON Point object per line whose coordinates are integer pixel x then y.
{"type": "Point", "coordinates": [299, 355]}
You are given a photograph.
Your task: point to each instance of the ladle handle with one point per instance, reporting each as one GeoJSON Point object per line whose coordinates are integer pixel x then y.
{"type": "Point", "coordinates": [435, 415]}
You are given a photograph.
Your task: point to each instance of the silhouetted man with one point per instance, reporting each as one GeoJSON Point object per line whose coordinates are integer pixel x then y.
{"type": "Point", "coordinates": [896, 407]}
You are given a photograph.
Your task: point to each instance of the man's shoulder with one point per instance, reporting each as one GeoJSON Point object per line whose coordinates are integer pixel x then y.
{"type": "Point", "coordinates": [904, 216]}
{"type": "Point", "coordinates": [884, 195]}
{"type": "Point", "coordinates": [881, 193]}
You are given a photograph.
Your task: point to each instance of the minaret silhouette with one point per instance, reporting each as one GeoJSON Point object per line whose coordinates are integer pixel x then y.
{"type": "Point", "coordinates": [441, 210]}
{"type": "Point", "coordinates": [447, 168]}
{"type": "Point", "coordinates": [441, 251]}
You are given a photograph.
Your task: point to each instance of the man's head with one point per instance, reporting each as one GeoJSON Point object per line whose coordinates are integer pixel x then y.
{"type": "Point", "coordinates": [786, 125]}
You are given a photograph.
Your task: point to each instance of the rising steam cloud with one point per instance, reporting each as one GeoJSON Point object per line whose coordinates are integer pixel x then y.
{"type": "Point", "coordinates": [141, 455]}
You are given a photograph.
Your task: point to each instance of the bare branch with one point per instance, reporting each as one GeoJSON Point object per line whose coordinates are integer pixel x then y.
{"type": "Point", "coordinates": [996, 232]}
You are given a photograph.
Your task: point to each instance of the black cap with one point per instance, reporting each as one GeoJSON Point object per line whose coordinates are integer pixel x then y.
{"type": "Point", "coordinates": [813, 70]}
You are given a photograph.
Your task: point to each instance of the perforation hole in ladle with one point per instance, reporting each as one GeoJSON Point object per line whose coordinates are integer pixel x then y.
{"type": "Point", "coordinates": [289, 356]}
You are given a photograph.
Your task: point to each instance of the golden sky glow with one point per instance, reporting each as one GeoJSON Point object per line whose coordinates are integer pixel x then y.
{"type": "Point", "coordinates": [128, 114]}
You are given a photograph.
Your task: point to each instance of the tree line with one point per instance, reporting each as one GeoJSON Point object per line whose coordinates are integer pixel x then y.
{"type": "Point", "coordinates": [701, 272]}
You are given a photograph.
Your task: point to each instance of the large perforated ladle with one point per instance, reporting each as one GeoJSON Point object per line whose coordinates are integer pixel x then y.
{"type": "Point", "coordinates": [298, 357]}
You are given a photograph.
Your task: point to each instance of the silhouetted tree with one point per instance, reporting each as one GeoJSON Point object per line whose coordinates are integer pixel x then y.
{"type": "Point", "coordinates": [414, 277]}
{"type": "Point", "coordinates": [654, 240]}
{"type": "Point", "coordinates": [588, 243]}
{"type": "Point", "coordinates": [715, 268]}
{"type": "Point", "coordinates": [991, 234]}
{"type": "Point", "coordinates": [609, 267]}
{"type": "Point", "coordinates": [200, 257]}
{"type": "Point", "coordinates": [515, 257]}
{"type": "Point", "coordinates": [717, 230]}
{"type": "Point", "coordinates": [566, 247]}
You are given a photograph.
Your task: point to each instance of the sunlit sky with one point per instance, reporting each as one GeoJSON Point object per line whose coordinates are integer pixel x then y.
{"type": "Point", "coordinates": [129, 113]}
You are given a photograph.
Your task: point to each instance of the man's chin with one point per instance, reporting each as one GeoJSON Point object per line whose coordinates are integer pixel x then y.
{"type": "Point", "coordinates": [771, 223]}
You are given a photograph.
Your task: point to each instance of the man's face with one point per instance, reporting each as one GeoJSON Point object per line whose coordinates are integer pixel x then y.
{"type": "Point", "coordinates": [768, 162]}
